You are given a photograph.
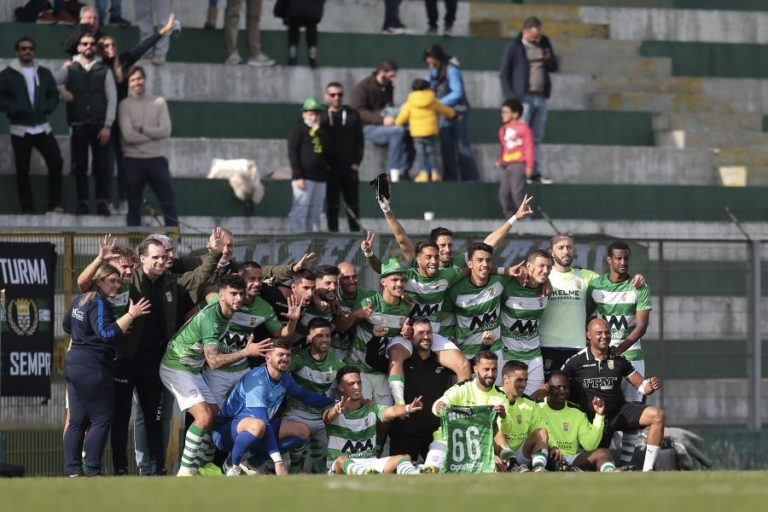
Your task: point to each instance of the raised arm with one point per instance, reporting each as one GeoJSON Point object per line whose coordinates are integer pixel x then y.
{"type": "Point", "coordinates": [105, 254]}
{"type": "Point", "coordinates": [499, 233]}
{"type": "Point", "coordinates": [400, 411]}
{"type": "Point", "coordinates": [407, 247]}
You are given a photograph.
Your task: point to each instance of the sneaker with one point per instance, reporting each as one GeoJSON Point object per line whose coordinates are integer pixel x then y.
{"type": "Point", "coordinates": [436, 176]}
{"type": "Point", "coordinates": [235, 470]}
{"type": "Point", "coordinates": [448, 31]}
{"type": "Point", "coordinates": [119, 20]}
{"type": "Point", "coordinates": [82, 209]}
{"type": "Point", "coordinates": [429, 470]}
{"type": "Point", "coordinates": [249, 469]}
{"type": "Point", "coordinates": [158, 60]}
{"type": "Point", "coordinates": [233, 59]}
{"type": "Point", "coordinates": [421, 177]}
{"type": "Point", "coordinates": [186, 471]}
{"type": "Point", "coordinates": [431, 31]}
{"type": "Point", "coordinates": [540, 469]}
{"type": "Point", "coordinates": [261, 61]}
{"type": "Point", "coordinates": [546, 181]}
{"type": "Point", "coordinates": [102, 208]}
{"type": "Point", "coordinates": [395, 31]}
{"type": "Point", "coordinates": [626, 468]}
{"type": "Point", "coordinates": [47, 17]}
{"type": "Point", "coordinates": [520, 468]}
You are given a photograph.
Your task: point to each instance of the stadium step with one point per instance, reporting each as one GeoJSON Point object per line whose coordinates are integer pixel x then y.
{"type": "Point", "coordinates": [618, 165]}
{"type": "Point", "coordinates": [214, 198]}
{"type": "Point", "coordinates": [510, 26]}
{"type": "Point", "coordinates": [708, 59]}
{"type": "Point", "coordinates": [705, 122]}
{"type": "Point", "coordinates": [660, 102]}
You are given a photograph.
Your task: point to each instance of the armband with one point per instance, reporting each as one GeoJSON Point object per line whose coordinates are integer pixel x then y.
{"type": "Point", "coordinates": [512, 221]}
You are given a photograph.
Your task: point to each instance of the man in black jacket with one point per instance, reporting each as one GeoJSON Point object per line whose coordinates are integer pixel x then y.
{"type": "Point", "coordinates": [28, 95]}
{"type": "Point", "coordinates": [309, 169]}
{"type": "Point", "coordinates": [525, 66]}
{"type": "Point", "coordinates": [343, 146]}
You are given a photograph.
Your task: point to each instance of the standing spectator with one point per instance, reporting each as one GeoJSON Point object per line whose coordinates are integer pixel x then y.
{"type": "Point", "coordinates": [307, 14]}
{"type": "Point", "coordinates": [149, 15]}
{"type": "Point", "coordinates": [516, 156]}
{"type": "Point", "coordinates": [145, 126]}
{"type": "Point", "coordinates": [420, 112]}
{"type": "Point", "coordinates": [89, 24]}
{"type": "Point", "coordinates": [344, 147]}
{"type": "Point", "coordinates": [392, 24]}
{"type": "Point", "coordinates": [90, 366]}
{"type": "Point", "coordinates": [115, 12]}
{"type": "Point", "coordinates": [212, 15]}
{"type": "Point", "coordinates": [91, 105]}
{"type": "Point", "coordinates": [373, 98]}
{"type": "Point", "coordinates": [433, 14]}
{"type": "Point", "coordinates": [446, 80]}
{"type": "Point", "coordinates": [525, 67]}
{"type": "Point", "coordinates": [28, 95]}
{"type": "Point", "coordinates": [120, 64]}
{"type": "Point", "coordinates": [252, 22]}
{"type": "Point", "coordinates": [59, 13]}
{"type": "Point", "coordinates": [309, 169]}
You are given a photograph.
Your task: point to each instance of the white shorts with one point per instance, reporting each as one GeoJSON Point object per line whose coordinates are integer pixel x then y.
{"type": "Point", "coordinates": [436, 454]}
{"type": "Point", "coordinates": [535, 372]}
{"type": "Point", "coordinates": [371, 463]}
{"type": "Point", "coordinates": [520, 456]}
{"type": "Point", "coordinates": [439, 343]}
{"type": "Point", "coordinates": [221, 383]}
{"type": "Point", "coordinates": [376, 388]}
{"type": "Point", "coordinates": [631, 394]}
{"type": "Point", "coordinates": [188, 388]}
{"type": "Point", "coordinates": [313, 421]}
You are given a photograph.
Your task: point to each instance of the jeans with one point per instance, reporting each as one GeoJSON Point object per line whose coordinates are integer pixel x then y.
{"type": "Point", "coordinates": [535, 114]}
{"type": "Point", "coordinates": [139, 172]}
{"type": "Point", "coordinates": [252, 25]}
{"type": "Point", "coordinates": [426, 153]}
{"type": "Point", "coordinates": [392, 137]}
{"type": "Point", "coordinates": [458, 160]}
{"type": "Point", "coordinates": [22, 151]}
{"type": "Point", "coordinates": [151, 14]}
{"type": "Point", "coordinates": [115, 9]}
{"type": "Point", "coordinates": [433, 14]}
{"type": "Point", "coordinates": [342, 181]}
{"type": "Point", "coordinates": [83, 137]}
{"type": "Point", "coordinates": [307, 206]}
{"type": "Point", "coordinates": [391, 14]}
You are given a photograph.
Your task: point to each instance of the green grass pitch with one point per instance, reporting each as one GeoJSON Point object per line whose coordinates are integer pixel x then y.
{"type": "Point", "coordinates": [570, 492]}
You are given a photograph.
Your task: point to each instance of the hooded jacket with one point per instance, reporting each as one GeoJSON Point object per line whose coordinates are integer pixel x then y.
{"type": "Point", "coordinates": [420, 112]}
{"type": "Point", "coordinates": [515, 69]}
{"type": "Point", "coordinates": [14, 98]}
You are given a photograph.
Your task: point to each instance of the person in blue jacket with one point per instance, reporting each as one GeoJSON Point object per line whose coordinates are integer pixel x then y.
{"type": "Point", "coordinates": [90, 366]}
{"type": "Point", "coordinates": [445, 79]}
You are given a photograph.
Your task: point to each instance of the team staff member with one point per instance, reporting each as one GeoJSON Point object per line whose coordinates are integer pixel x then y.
{"type": "Point", "coordinates": [90, 366]}
{"type": "Point", "coordinates": [425, 378]}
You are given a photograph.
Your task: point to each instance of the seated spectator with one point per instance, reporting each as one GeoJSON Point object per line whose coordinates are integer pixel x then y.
{"type": "Point", "coordinates": [516, 156]}
{"type": "Point", "coordinates": [421, 111]}
{"type": "Point", "coordinates": [89, 24]}
{"type": "Point", "coordinates": [373, 98]}
{"type": "Point", "coordinates": [309, 169]}
{"type": "Point", "coordinates": [145, 126]}
{"type": "Point", "coordinates": [28, 95]}
{"type": "Point", "coordinates": [446, 80]}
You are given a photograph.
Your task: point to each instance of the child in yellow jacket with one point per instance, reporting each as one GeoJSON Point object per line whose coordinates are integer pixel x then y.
{"type": "Point", "coordinates": [420, 112]}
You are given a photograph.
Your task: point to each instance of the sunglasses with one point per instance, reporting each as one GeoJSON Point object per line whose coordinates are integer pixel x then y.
{"type": "Point", "coordinates": [335, 94]}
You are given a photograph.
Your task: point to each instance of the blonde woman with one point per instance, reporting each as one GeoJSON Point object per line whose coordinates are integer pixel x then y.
{"type": "Point", "coordinates": [90, 366]}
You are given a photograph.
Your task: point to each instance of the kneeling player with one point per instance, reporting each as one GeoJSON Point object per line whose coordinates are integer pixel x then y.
{"type": "Point", "coordinates": [351, 427]}
{"type": "Point", "coordinates": [573, 439]}
{"type": "Point", "coordinates": [521, 435]}
{"type": "Point", "coordinates": [246, 423]}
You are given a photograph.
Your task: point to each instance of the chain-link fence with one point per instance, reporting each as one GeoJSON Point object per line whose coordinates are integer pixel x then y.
{"type": "Point", "coordinates": [697, 340]}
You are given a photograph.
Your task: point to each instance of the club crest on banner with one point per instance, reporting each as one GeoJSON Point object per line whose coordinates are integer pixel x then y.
{"type": "Point", "coordinates": [22, 315]}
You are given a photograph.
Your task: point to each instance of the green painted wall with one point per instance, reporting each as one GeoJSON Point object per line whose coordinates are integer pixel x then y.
{"type": "Point", "coordinates": [726, 60]}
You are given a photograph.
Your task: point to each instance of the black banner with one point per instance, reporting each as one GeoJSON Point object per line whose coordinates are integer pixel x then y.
{"type": "Point", "coordinates": [27, 275]}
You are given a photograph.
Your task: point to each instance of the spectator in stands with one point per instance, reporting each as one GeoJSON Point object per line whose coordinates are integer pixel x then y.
{"type": "Point", "coordinates": [89, 24]}
{"type": "Point", "coordinates": [446, 80]}
{"type": "Point", "coordinates": [433, 14]}
{"type": "Point", "coordinates": [212, 15]}
{"type": "Point", "coordinates": [28, 95]}
{"type": "Point", "coordinates": [392, 24]}
{"type": "Point", "coordinates": [91, 106]}
{"type": "Point", "coordinates": [344, 148]}
{"type": "Point", "coordinates": [525, 67]}
{"type": "Point", "coordinates": [115, 12]}
{"type": "Point", "coordinates": [252, 21]}
{"type": "Point", "coordinates": [90, 367]}
{"type": "Point", "coordinates": [373, 98]}
{"type": "Point", "coordinates": [309, 169]}
{"type": "Point", "coordinates": [516, 156]}
{"type": "Point", "coordinates": [145, 127]}
{"type": "Point", "coordinates": [149, 15]}
{"type": "Point", "coordinates": [31, 12]}
{"type": "Point", "coordinates": [421, 111]}
{"type": "Point", "coordinates": [297, 14]}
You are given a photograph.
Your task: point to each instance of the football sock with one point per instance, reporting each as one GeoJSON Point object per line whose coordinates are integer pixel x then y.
{"type": "Point", "coordinates": [540, 458]}
{"type": "Point", "coordinates": [192, 441]}
{"type": "Point", "coordinates": [243, 442]}
{"type": "Point", "coordinates": [353, 468]}
{"type": "Point", "coordinates": [607, 467]}
{"type": "Point", "coordinates": [628, 442]}
{"type": "Point", "coordinates": [651, 452]}
{"type": "Point", "coordinates": [406, 467]}
{"type": "Point", "coordinates": [397, 388]}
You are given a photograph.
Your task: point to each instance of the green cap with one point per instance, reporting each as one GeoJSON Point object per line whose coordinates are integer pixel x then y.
{"type": "Point", "coordinates": [311, 104]}
{"type": "Point", "coordinates": [391, 266]}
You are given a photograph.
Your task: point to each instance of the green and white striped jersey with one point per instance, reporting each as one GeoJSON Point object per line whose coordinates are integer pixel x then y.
{"type": "Point", "coordinates": [341, 343]}
{"type": "Point", "coordinates": [392, 317]}
{"type": "Point", "coordinates": [354, 433]}
{"type": "Point", "coordinates": [120, 301]}
{"type": "Point", "coordinates": [471, 310]}
{"type": "Point", "coordinates": [429, 292]}
{"type": "Point", "coordinates": [185, 350]}
{"type": "Point", "coordinates": [314, 375]}
{"type": "Point", "coordinates": [521, 311]}
{"type": "Point", "coordinates": [617, 304]}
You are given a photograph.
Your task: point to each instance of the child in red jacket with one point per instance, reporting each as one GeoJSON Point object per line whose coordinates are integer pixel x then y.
{"type": "Point", "coordinates": [516, 158]}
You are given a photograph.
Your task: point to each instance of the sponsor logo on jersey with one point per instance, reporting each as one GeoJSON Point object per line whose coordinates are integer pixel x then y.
{"type": "Point", "coordinates": [481, 322]}
{"type": "Point", "coordinates": [618, 322]}
{"type": "Point", "coordinates": [566, 426]}
{"type": "Point", "coordinates": [357, 446]}
{"type": "Point", "coordinates": [168, 297]}
{"type": "Point", "coordinates": [428, 310]}
{"type": "Point", "coordinates": [605, 383]}
{"type": "Point", "coordinates": [610, 364]}
{"type": "Point", "coordinates": [530, 326]}
{"type": "Point", "coordinates": [23, 316]}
